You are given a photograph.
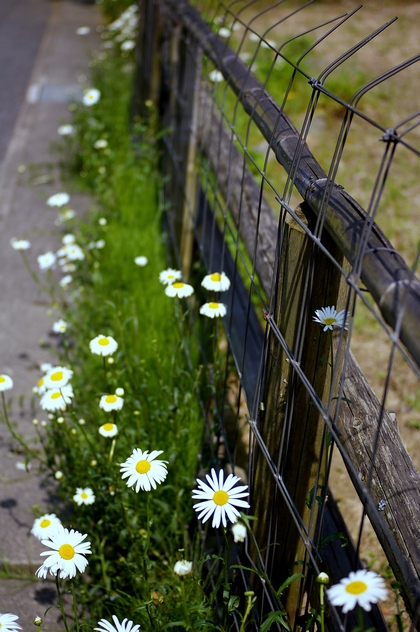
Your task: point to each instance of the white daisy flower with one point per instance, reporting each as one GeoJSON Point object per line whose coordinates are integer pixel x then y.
{"type": "Point", "coordinates": [268, 44]}
{"type": "Point", "coordinates": [100, 144]}
{"type": "Point", "coordinates": [67, 267]}
{"type": "Point", "coordinates": [58, 199]}
{"type": "Point", "coordinates": [183, 567]}
{"type": "Point", "coordinates": [128, 45]}
{"type": "Point", "coordinates": [169, 276]}
{"type": "Point", "coordinates": [213, 309]}
{"type": "Point", "coordinates": [68, 554]}
{"type": "Point", "coordinates": [6, 382]}
{"type": "Point", "coordinates": [68, 239]}
{"type": "Point", "coordinates": [100, 243]}
{"type": "Point", "coordinates": [8, 622]}
{"type": "Point", "coordinates": [56, 399]}
{"type": "Point", "coordinates": [60, 326]}
{"type": "Point", "coordinates": [84, 496]}
{"type": "Point", "coordinates": [102, 221]}
{"type": "Point", "coordinates": [71, 252]}
{"type": "Point", "coordinates": [111, 402]}
{"type": "Point", "coordinates": [47, 261]}
{"type": "Point", "coordinates": [42, 571]}
{"type": "Point", "coordinates": [224, 32]}
{"type": "Point", "coordinates": [361, 588]}
{"type": "Point", "coordinates": [108, 430]}
{"type": "Point", "coordinates": [83, 30]}
{"type": "Point", "coordinates": [90, 97]}
{"type": "Point", "coordinates": [239, 532]}
{"type": "Point", "coordinates": [143, 471]}
{"type": "Point", "coordinates": [329, 317]}
{"type": "Point", "coordinates": [65, 216]}
{"type": "Point", "coordinates": [44, 525]}
{"type": "Point", "coordinates": [65, 130]}
{"type": "Point", "coordinates": [65, 281]}
{"type": "Point", "coordinates": [20, 244]}
{"type": "Point", "coordinates": [57, 377]}
{"type": "Point", "coordinates": [216, 76]}
{"type": "Point", "coordinates": [219, 498]}
{"type": "Point", "coordinates": [124, 626]}
{"type": "Point", "coordinates": [141, 261]}
{"type": "Point", "coordinates": [103, 345]}
{"type": "Point", "coordinates": [218, 282]}
{"type": "Point", "coordinates": [179, 289]}
{"type": "Point", "coordinates": [21, 465]}
{"type": "Point", "coordinates": [45, 366]}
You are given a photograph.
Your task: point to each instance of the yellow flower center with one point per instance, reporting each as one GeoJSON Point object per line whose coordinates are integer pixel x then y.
{"type": "Point", "coordinates": [66, 551]}
{"type": "Point", "coordinates": [108, 427]}
{"type": "Point", "coordinates": [178, 284]}
{"type": "Point", "coordinates": [103, 342]}
{"type": "Point", "coordinates": [220, 497]}
{"type": "Point", "coordinates": [41, 381]}
{"type": "Point", "coordinates": [57, 376]}
{"type": "Point", "coordinates": [216, 277]}
{"type": "Point", "coordinates": [2, 379]}
{"type": "Point", "coordinates": [84, 495]}
{"type": "Point", "coordinates": [110, 399]}
{"type": "Point", "coordinates": [55, 395]}
{"type": "Point", "coordinates": [171, 276]}
{"type": "Point", "coordinates": [356, 588]}
{"type": "Point", "coordinates": [143, 466]}
{"type": "Point", "coordinates": [213, 305]}
{"type": "Point", "coordinates": [330, 321]}
{"type": "Point", "coordinates": [45, 523]}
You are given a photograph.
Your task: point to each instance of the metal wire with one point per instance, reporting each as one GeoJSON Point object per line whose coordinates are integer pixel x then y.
{"type": "Point", "coordinates": [218, 215]}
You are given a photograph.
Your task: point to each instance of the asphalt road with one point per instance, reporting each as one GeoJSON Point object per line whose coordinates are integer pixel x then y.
{"type": "Point", "coordinates": [22, 24]}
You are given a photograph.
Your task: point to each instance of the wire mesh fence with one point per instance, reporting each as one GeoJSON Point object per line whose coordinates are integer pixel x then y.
{"type": "Point", "coordinates": [290, 161]}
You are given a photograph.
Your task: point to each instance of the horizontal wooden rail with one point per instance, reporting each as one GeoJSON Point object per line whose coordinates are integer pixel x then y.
{"type": "Point", "coordinates": [392, 284]}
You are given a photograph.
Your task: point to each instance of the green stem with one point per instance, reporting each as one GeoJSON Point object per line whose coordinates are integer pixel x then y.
{"type": "Point", "coordinates": [111, 452]}
{"type": "Point", "coordinates": [361, 623]}
{"type": "Point", "coordinates": [16, 436]}
{"type": "Point", "coordinates": [184, 605]}
{"type": "Point", "coordinates": [332, 356]}
{"type": "Point", "coordinates": [76, 617]}
{"type": "Point", "coordinates": [60, 603]}
{"type": "Point", "coordinates": [34, 275]}
{"type": "Point", "coordinates": [146, 544]}
{"type": "Point", "coordinates": [322, 606]}
{"type": "Point", "coordinates": [249, 605]}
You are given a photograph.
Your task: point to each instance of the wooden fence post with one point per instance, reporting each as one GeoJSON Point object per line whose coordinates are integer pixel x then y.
{"type": "Point", "coordinates": [179, 107]}
{"type": "Point", "coordinates": [147, 84]}
{"type": "Point", "coordinates": [291, 426]}
{"type": "Point", "coordinates": [191, 175]}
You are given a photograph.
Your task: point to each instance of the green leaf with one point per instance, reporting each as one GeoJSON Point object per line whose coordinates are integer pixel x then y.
{"type": "Point", "coordinates": [274, 617]}
{"type": "Point", "coordinates": [289, 581]}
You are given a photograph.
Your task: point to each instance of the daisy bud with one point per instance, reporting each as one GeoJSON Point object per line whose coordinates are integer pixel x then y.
{"type": "Point", "coordinates": [323, 578]}
{"type": "Point", "coordinates": [183, 567]}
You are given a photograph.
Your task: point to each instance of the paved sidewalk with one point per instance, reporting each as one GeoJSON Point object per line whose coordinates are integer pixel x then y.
{"type": "Point", "coordinates": [61, 66]}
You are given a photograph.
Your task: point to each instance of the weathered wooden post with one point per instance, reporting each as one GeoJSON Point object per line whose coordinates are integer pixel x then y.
{"type": "Point", "coordinates": [291, 426]}
{"type": "Point", "coordinates": [182, 61]}
{"type": "Point", "coordinates": [148, 60]}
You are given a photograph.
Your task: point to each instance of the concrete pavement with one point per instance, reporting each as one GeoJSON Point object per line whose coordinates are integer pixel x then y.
{"type": "Point", "coordinates": [51, 64]}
